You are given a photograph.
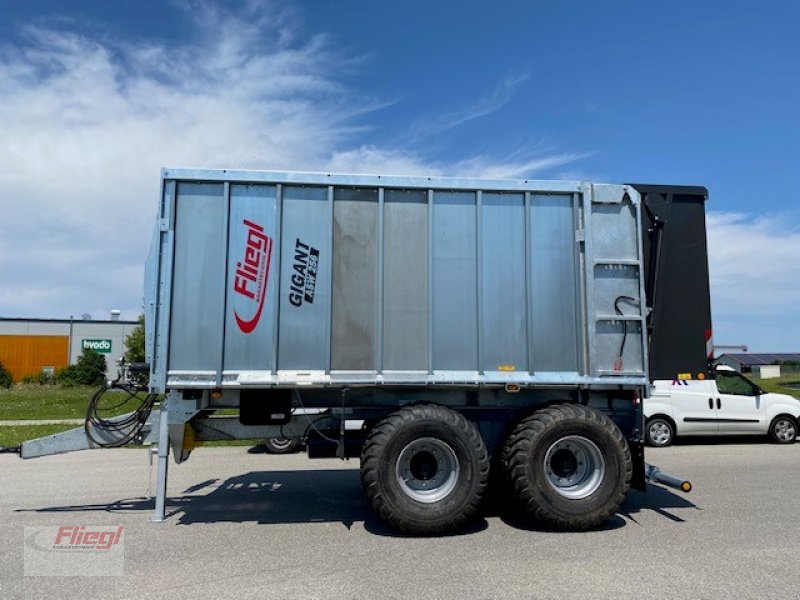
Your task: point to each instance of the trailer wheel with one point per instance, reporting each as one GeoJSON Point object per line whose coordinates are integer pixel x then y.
{"type": "Point", "coordinates": [425, 469]}
{"type": "Point", "coordinates": [569, 467]}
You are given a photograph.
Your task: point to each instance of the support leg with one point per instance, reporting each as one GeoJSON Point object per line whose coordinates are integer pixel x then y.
{"type": "Point", "coordinates": [163, 464]}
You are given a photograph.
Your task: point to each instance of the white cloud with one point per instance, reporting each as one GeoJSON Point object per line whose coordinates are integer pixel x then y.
{"type": "Point", "coordinates": [755, 280]}
{"type": "Point", "coordinates": [501, 95]}
{"type": "Point", "coordinates": [87, 122]}
{"type": "Point", "coordinates": [514, 166]}
{"type": "Point", "coordinates": [85, 126]}
{"type": "Point", "coordinates": [370, 159]}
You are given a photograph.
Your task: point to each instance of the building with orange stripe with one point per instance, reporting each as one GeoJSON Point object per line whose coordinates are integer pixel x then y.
{"type": "Point", "coordinates": [32, 346]}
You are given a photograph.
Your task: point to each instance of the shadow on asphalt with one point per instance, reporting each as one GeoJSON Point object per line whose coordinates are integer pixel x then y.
{"type": "Point", "coordinates": [327, 496]}
{"type": "Point", "coordinates": [658, 499]}
{"type": "Point", "coordinates": [721, 440]}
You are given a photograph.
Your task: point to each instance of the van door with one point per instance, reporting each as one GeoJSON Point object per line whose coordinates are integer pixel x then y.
{"type": "Point", "coordinates": [695, 407]}
{"type": "Point", "coordinates": [739, 407]}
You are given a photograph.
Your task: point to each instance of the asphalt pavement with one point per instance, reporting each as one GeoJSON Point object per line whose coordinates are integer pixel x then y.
{"type": "Point", "coordinates": [261, 526]}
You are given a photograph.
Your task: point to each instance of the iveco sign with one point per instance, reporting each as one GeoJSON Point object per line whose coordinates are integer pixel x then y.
{"type": "Point", "coordinates": [101, 346]}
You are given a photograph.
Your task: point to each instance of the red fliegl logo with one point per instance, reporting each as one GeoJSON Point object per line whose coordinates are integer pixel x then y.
{"type": "Point", "coordinates": [86, 538]}
{"type": "Point", "coordinates": [252, 274]}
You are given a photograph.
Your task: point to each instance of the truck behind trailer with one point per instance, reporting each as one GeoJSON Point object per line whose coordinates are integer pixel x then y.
{"type": "Point", "coordinates": [468, 326]}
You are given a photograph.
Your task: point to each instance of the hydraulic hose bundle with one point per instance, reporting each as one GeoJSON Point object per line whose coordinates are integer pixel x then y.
{"type": "Point", "coordinates": [122, 429]}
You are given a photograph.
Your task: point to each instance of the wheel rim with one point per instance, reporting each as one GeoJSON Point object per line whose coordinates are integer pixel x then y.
{"type": "Point", "coordinates": [660, 433]}
{"type": "Point", "coordinates": [427, 470]}
{"type": "Point", "coordinates": [784, 430]}
{"type": "Point", "coordinates": [281, 443]}
{"type": "Point", "coordinates": [575, 467]}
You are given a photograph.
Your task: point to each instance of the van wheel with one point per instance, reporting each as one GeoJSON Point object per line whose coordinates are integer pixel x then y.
{"type": "Point", "coordinates": [783, 429]}
{"type": "Point", "coordinates": [569, 467]}
{"type": "Point", "coordinates": [659, 432]}
{"type": "Point", "coordinates": [425, 469]}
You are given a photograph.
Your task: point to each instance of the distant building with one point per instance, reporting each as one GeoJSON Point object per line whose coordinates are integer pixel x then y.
{"type": "Point", "coordinates": [29, 346]}
{"type": "Point", "coordinates": [751, 363]}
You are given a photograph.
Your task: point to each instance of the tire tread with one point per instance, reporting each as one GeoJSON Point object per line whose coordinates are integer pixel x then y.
{"type": "Point", "coordinates": [372, 452]}
{"type": "Point", "coordinates": [516, 464]}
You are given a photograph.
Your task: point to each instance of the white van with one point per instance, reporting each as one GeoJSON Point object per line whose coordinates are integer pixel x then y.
{"type": "Point", "coordinates": [728, 405]}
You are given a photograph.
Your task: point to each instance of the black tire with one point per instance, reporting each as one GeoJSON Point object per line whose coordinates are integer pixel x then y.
{"type": "Point", "coordinates": [413, 447]}
{"type": "Point", "coordinates": [783, 429]}
{"type": "Point", "coordinates": [659, 432]}
{"type": "Point", "coordinates": [553, 433]}
{"type": "Point", "coordinates": [281, 445]}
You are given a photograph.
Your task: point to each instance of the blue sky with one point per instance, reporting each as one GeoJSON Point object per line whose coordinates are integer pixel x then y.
{"type": "Point", "coordinates": [622, 91]}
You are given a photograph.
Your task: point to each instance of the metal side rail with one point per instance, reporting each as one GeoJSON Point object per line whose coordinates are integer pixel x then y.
{"type": "Point", "coordinates": [76, 439]}
{"type": "Point", "coordinates": [653, 474]}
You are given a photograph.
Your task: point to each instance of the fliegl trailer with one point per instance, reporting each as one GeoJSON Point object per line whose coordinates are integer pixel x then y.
{"type": "Point", "coordinates": [439, 329]}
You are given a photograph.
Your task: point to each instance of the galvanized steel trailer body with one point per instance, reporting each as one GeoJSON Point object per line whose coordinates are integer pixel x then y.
{"type": "Point", "coordinates": [417, 281]}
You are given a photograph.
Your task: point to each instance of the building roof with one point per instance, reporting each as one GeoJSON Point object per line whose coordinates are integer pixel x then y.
{"type": "Point", "coordinates": [75, 321]}
{"type": "Point", "coordinates": [769, 358]}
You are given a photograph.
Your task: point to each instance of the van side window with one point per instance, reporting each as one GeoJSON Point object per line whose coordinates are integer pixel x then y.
{"type": "Point", "coordinates": [734, 383]}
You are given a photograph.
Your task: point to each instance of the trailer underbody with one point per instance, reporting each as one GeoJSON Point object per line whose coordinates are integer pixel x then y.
{"type": "Point", "coordinates": [338, 423]}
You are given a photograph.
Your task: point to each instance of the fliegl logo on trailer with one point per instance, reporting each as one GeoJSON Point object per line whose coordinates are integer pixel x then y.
{"type": "Point", "coordinates": [252, 276]}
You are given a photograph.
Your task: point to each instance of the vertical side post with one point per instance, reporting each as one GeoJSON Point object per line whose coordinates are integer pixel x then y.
{"type": "Point", "coordinates": [479, 277]}
{"type": "Point", "coordinates": [379, 291]}
{"type": "Point", "coordinates": [276, 314]}
{"type": "Point", "coordinates": [587, 196]}
{"type": "Point", "coordinates": [329, 267]}
{"type": "Point", "coordinates": [580, 286]}
{"type": "Point", "coordinates": [430, 283]}
{"type": "Point", "coordinates": [226, 236]}
{"type": "Point", "coordinates": [163, 464]}
{"type": "Point", "coordinates": [528, 286]}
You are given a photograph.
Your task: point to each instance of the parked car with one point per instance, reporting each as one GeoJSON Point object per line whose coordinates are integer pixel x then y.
{"type": "Point", "coordinates": [729, 404]}
{"type": "Point", "coordinates": [287, 445]}
{"type": "Point", "coordinates": [277, 445]}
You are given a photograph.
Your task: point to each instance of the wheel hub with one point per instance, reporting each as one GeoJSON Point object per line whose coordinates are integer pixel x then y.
{"type": "Point", "coordinates": [574, 466]}
{"type": "Point", "coordinates": [423, 466]}
{"type": "Point", "coordinates": [659, 433]}
{"type": "Point", "coordinates": [784, 430]}
{"type": "Point", "coordinates": [564, 463]}
{"type": "Point", "coordinates": [427, 470]}
{"type": "Point", "coordinates": [281, 443]}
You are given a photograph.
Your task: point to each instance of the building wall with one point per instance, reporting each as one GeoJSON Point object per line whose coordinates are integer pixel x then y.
{"type": "Point", "coordinates": [733, 364]}
{"type": "Point", "coordinates": [20, 327]}
{"type": "Point", "coordinates": [27, 338]}
{"type": "Point", "coordinates": [26, 355]}
{"type": "Point", "coordinates": [113, 331]}
{"type": "Point", "coordinates": [768, 371]}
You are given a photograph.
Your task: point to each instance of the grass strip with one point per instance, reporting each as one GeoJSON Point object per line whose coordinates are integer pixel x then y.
{"type": "Point", "coordinates": [41, 402]}
{"type": "Point", "coordinates": [14, 435]}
